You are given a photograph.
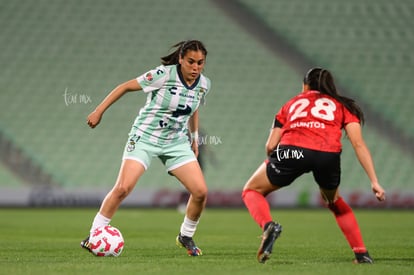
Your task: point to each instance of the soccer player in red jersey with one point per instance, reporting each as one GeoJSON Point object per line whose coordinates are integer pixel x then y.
{"type": "Point", "coordinates": [306, 137]}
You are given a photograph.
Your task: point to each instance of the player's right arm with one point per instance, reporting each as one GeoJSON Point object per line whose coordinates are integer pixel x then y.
{"type": "Point", "coordinates": [276, 131]}
{"type": "Point", "coordinates": [95, 117]}
{"type": "Point", "coordinates": [273, 139]}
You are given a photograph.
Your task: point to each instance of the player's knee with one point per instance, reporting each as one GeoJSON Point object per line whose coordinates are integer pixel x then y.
{"type": "Point", "coordinates": [339, 206]}
{"type": "Point", "coordinates": [333, 208]}
{"type": "Point", "coordinates": [200, 194]}
{"type": "Point", "coordinates": [245, 193]}
{"type": "Point", "coordinates": [121, 191]}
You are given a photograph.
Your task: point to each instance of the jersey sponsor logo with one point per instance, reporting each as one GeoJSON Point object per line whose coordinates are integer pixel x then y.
{"type": "Point", "coordinates": [162, 123]}
{"type": "Point", "coordinates": [173, 90]}
{"type": "Point", "coordinates": [175, 129]}
{"type": "Point", "coordinates": [186, 95]}
{"type": "Point", "coordinates": [182, 110]}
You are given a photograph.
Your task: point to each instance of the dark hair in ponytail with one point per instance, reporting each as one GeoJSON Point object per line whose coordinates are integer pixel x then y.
{"type": "Point", "coordinates": [322, 80]}
{"type": "Point", "coordinates": [181, 49]}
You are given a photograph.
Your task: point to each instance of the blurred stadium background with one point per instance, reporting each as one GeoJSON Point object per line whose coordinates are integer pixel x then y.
{"type": "Point", "coordinates": [61, 58]}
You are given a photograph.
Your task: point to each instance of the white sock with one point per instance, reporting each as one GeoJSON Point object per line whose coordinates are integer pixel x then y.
{"type": "Point", "coordinates": [99, 220]}
{"type": "Point", "coordinates": [188, 227]}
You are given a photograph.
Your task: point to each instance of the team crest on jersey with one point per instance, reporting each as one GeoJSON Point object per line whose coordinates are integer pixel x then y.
{"type": "Point", "coordinates": [131, 146]}
{"type": "Point", "coordinates": [201, 93]}
{"type": "Point", "coordinates": [149, 77]}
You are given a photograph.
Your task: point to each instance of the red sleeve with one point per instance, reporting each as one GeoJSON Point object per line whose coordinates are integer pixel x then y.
{"type": "Point", "coordinates": [280, 117]}
{"type": "Point", "coordinates": [349, 117]}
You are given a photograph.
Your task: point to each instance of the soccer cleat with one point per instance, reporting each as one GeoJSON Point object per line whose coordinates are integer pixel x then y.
{"type": "Point", "coordinates": [363, 258]}
{"type": "Point", "coordinates": [271, 232]}
{"type": "Point", "coordinates": [85, 244]}
{"type": "Point", "coordinates": [188, 243]}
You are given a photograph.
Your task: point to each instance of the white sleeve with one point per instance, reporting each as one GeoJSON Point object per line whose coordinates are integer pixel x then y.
{"type": "Point", "coordinates": [153, 79]}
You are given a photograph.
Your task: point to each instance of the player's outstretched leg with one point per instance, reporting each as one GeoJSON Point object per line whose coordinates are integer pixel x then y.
{"type": "Point", "coordinates": [188, 243]}
{"type": "Point", "coordinates": [271, 232]}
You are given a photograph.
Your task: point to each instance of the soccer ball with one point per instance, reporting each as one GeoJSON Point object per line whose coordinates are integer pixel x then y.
{"type": "Point", "coordinates": [106, 241]}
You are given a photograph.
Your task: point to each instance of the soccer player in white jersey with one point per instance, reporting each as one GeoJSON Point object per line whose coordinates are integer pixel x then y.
{"type": "Point", "coordinates": [174, 90]}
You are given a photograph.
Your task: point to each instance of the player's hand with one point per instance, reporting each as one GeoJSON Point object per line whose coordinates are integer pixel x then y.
{"type": "Point", "coordinates": [94, 118]}
{"type": "Point", "coordinates": [378, 191]}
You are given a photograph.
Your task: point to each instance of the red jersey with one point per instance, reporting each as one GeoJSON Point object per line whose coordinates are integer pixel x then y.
{"type": "Point", "coordinates": [315, 121]}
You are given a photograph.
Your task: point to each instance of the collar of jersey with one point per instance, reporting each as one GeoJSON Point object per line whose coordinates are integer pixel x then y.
{"type": "Point", "coordinates": [180, 75]}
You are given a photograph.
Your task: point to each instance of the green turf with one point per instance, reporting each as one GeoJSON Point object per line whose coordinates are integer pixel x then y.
{"type": "Point", "coordinates": [46, 241]}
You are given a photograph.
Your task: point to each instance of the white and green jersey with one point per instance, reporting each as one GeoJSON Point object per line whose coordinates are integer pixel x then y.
{"type": "Point", "coordinates": [170, 103]}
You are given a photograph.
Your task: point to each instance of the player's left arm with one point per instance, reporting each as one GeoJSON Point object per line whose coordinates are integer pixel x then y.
{"type": "Point", "coordinates": [193, 127]}
{"type": "Point", "coordinates": [353, 131]}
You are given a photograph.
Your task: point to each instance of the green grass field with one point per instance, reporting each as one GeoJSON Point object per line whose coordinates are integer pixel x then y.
{"type": "Point", "coordinates": [46, 241]}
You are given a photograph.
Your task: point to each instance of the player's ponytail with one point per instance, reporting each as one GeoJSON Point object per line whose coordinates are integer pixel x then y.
{"type": "Point", "coordinates": [322, 80]}
{"type": "Point", "coordinates": [181, 49]}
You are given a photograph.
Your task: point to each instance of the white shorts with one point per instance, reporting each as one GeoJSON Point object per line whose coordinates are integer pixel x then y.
{"type": "Point", "coordinates": [172, 155]}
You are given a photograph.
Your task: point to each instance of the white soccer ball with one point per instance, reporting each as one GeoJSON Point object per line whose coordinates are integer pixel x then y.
{"type": "Point", "coordinates": [106, 241]}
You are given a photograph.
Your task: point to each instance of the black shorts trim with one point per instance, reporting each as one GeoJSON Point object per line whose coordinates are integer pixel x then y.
{"type": "Point", "coordinates": [287, 163]}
